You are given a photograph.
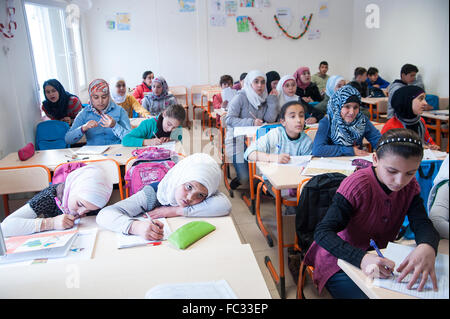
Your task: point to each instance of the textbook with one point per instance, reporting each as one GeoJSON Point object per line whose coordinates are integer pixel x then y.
{"type": "Point", "coordinates": [54, 244]}
{"type": "Point", "coordinates": [92, 149]}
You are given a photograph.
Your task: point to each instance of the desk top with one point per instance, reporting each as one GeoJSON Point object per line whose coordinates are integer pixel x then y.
{"type": "Point", "coordinates": [375, 292]}
{"type": "Point", "coordinates": [131, 272]}
{"type": "Point", "coordinates": [373, 100]}
{"type": "Point", "coordinates": [442, 115]}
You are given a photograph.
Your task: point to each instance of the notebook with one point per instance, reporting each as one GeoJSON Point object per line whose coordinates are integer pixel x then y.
{"type": "Point", "coordinates": [322, 166]}
{"type": "Point", "coordinates": [219, 289]}
{"type": "Point", "coordinates": [53, 244]}
{"type": "Point", "coordinates": [127, 241]}
{"type": "Point", "coordinates": [92, 149]}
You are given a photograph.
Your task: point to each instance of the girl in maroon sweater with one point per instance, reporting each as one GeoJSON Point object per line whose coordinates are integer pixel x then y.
{"type": "Point", "coordinates": [373, 203]}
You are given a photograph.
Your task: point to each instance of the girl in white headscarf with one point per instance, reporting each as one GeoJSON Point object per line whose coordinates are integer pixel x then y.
{"type": "Point", "coordinates": [57, 207]}
{"type": "Point", "coordinates": [189, 189]}
{"type": "Point", "coordinates": [438, 201]}
{"type": "Point", "coordinates": [126, 101]}
{"type": "Point", "coordinates": [251, 106]}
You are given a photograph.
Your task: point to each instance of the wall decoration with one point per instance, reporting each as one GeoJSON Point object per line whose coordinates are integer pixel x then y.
{"type": "Point", "coordinates": [262, 4]}
{"type": "Point", "coordinates": [287, 34]}
{"type": "Point", "coordinates": [314, 35]}
{"type": "Point", "coordinates": [247, 3]}
{"type": "Point", "coordinates": [242, 24]}
{"type": "Point", "coordinates": [230, 8]}
{"type": "Point", "coordinates": [10, 26]}
{"type": "Point", "coordinates": [217, 20]}
{"type": "Point", "coordinates": [110, 24]}
{"type": "Point", "coordinates": [123, 21]}
{"type": "Point", "coordinates": [257, 30]}
{"type": "Point", "coordinates": [323, 10]}
{"type": "Point", "coordinates": [215, 6]}
{"type": "Point", "coordinates": [187, 5]}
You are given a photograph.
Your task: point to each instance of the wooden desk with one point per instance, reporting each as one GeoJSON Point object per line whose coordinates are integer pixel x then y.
{"type": "Point", "coordinates": [375, 292]}
{"type": "Point", "coordinates": [136, 121]}
{"type": "Point", "coordinates": [130, 273]}
{"type": "Point", "coordinates": [376, 104]}
{"type": "Point", "coordinates": [437, 116]}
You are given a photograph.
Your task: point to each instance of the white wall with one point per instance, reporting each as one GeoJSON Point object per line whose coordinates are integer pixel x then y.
{"type": "Point", "coordinates": [411, 31]}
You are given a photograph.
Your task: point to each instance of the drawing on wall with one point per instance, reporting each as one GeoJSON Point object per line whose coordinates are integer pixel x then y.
{"type": "Point", "coordinates": [187, 5]}
{"type": "Point", "coordinates": [314, 35]}
{"type": "Point", "coordinates": [323, 10]}
{"type": "Point", "coordinates": [123, 21]}
{"type": "Point", "coordinates": [110, 24]}
{"type": "Point", "coordinates": [242, 24]}
{"type": "Point", "coordinates": [247, 3]}
{"type": "Point", "coordinates": [231, 8]}
{"type": "Point", "coordinates": [215, 6]}
{"type": "Point", "coordinates": [217, 20]}
{"type": "Point", "coordinates": [262, 4]}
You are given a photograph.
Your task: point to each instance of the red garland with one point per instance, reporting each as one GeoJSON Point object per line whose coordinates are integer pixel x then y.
{"type": "Point", "coordinates": [257, 30]}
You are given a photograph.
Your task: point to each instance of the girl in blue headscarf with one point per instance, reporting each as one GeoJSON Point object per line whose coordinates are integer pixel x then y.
{"type": "Point", "coordinates": [334, 83]}
{"type": "Point", "coordinates": [342, 130]}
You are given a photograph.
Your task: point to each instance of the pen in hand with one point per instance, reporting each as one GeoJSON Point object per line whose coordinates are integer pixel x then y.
{"type": "Point", "coordinates": [374, 245]}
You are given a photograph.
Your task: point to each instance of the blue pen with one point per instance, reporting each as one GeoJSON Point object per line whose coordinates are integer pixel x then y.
{"type": "Point", "coordinates": [374, 245]}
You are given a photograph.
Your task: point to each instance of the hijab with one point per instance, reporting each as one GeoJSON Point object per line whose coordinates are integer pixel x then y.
{"type": "Point", "coordinates": [197, 167]}
{"type": "Point", "coordinates": [90, 183]}
{"type": "Point", "coordinates": [165, 90]}
{"type": "Point", "coordinates": [99, 86]}
{"type": "Point", "coordinates": [281, 95]}
{"type": "Point", "coordinates": [57, 109]}
{"type": "Point", "coordinates": [115, 96]}
{"type": "Point", "coordinates": [331, 84]}
{"type": "Point", "coordinates": [440, 178]}
{"type": "Point", "coordinates": [271, 76]}
{"type": "Point", "coordinates": [342, 133]}
{"type": "Point", "coordinates": [253, 97]}
{"type": "Point", "coordinates": [297, 77]}
{"type": "Point", "coordinates": [402, 102]}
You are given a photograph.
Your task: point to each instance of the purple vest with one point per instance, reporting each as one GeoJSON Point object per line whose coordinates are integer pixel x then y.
{"type": "Point", "coordinates": [376, 215]}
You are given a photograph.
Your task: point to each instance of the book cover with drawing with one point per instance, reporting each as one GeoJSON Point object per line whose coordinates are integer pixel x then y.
{"type": "Point", "coordinates": [39, 241]}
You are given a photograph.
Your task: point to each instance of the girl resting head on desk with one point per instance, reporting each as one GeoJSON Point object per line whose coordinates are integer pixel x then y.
{"type": "Point", "coordinates": [57, 207]}
{"type": "Point", "coordinates": [372, 204]}
{"type": "Point", "coordinates": [189, 189]}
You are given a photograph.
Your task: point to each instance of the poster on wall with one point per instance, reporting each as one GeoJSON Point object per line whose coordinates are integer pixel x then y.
{"type": "Point", "coordinates": [123, 21]}
{"type": "Point", "coordinates": [216, 6]}
{"type": "Point", "coordinates": [262, 4]}
{"type": "Point", "coordinates": [314, 35]}
{"type": "Point", "coordinates": [217, 20]}
{"type": "Point", "coordinates": [242, 24]}
{"type": "Point", "coordinates": [186, 5]}
{"type": "Point", "coordinates": [323, 10]}
{"type": "Point", "coordinates": [247, 3]}
{"type": "Point", "coordinates": [231, 8]}
{"type": "Point", "coordinates": [110, 24]}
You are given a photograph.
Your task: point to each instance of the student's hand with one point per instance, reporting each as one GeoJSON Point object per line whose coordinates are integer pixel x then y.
{"type": "Point", "coordinates": [374, 266]}
{"type": "Point", "coordinates": [151, 142]}
{"type": "Point", "coordinates": [147, 116]}
{"type": "Point", "coordinates": [164, 139]}
{"type": "Point", "coordinates": [149, 230]}
{"type": "Point", "coordinates": [279, 158]}
{"type": "Point", "coordinates": [107, 121]}
{"type": "Point", "coordinates": [311, 120]}
{"type": "Point", "coordinates": [64, 221]}
{"type": "Point", "coordinates": [258, 122]}
{"type": "Point", "coordinates": [359, 152]}
{"type": "Point", "coordinates": [307, 99]}
{"type": "Point", "coordinates": [421, 262]}
{"type": "Point", "coordinates": [432, 147]}
{"type": "Point", "coordinates": [89, 125]}
{"type": "Point", "coordinates": [166, 211]}
{"type": "Point", "coordinates": [224, 104]}
{"type": "Point", "coordinates": [376, 86]}
{"type": "Point", "coordinates": [274, 92]}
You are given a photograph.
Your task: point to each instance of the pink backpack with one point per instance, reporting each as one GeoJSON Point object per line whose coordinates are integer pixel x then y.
{"type": "Point", "coordinates": [60, 174]}
{"type": "Point", "coordinates": [151, 165]}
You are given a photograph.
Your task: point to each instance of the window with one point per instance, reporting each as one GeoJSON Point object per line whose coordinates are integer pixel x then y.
{"type": "Point", "coordinates": [57, 46]}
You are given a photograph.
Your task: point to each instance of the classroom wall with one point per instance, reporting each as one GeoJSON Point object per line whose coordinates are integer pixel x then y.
{"type": "Point", "coordinates": [410, 31]}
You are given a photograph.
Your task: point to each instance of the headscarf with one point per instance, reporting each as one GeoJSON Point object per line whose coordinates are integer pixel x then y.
{"type": "Point", "coordinates": [90, 183]}
{"type": "Point", "coordinates": [441, 177]}
{"type": "Point", "coordinates": [115, 96]}
{"type": "Point", "coordinates": [342, 133]}
{"type": "Point", "coordinates": [283, 97]}
{"type": "Point", "coordinates": [197, 167]}
{"type": "Point", "coordinates": [99, 85]}
{"type": "Point", "coordinates": [402, 102]}
{"type": "Point", "coordinates": [297, 77]}
{"type": "Point", "coordinates": [253, 97]}
{"type": "Point", "coordinates": [331, 84]}
{"type": "Point", "coordinates": [57, 109]}
{"type": "Point", "coordinates": [271, 76]}
{"type": "Point", "coordinates": [165, 90]}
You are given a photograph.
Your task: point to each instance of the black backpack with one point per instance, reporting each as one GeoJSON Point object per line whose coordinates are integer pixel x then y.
{"type": "Point", "coordinates": [376, 92]}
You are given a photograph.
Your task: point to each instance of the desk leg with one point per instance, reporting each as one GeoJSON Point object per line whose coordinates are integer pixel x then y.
{"type": "Point", "coordinates": [279, 280]}
{"type": "Point", "coordinates": [438, 132]}
{"type": "Point", "coordinates": [371, 111]}
{"type": "Point", "coordinates": [5, 204]}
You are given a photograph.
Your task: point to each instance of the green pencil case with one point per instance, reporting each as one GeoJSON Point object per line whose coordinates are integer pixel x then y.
{"type": "Point", "coordinates": [188, 234]}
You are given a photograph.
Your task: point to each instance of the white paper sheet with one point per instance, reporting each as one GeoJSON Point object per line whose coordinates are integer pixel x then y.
{"type": "Point", "coordinates": [127, 241]}
{"type": "Point", "coordinates": [194, 290]}
{"type": "Point", "coordinates": [428, 155]}
{"type": "Point", "coordinates": [92, 150]}
{"type": "Point", "coordinates": [398, 253]}
{"type": "Point", "coordinates": [228, 94]}
{"type": "Point", "coordinates": [321, 166]}
{"type": "Point", "coordinates": [299, 160]}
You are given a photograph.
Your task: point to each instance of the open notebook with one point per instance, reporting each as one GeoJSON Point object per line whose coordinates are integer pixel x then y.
{"type": "Point", "coordinates": [322, 166]}
{"type": "Point", "coordinates": [92, 149]}
{"type": "Point", "coordinates": [127, 241]}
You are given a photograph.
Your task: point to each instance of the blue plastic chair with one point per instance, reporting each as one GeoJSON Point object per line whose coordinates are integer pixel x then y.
{"type": "Point", "coordinates": [50, 135]}
{"type": "Point", "coordinates": [433, 100]}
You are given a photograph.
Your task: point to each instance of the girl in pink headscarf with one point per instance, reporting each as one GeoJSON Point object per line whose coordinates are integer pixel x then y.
{"type": "Point", "coordinates": [306, 90]}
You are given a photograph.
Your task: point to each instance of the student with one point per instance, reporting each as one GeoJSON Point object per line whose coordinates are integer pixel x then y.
{"type": "Point", "coordinates": [280, 143]}
{"type": "Point", "coordinates": [60, 104]}
{"type": "Point", "coordinates": [145, 87]}
{"type": "Point", "coordinates": [374, 80]}
{"type": "Point", "coordinates": [252, 106]}
{"type": "Point", "coordinates": [342, 131]}
{"type": "Point", "coordinates": [334, 83]}
{"type": "Point", "coordinates": [155, 131]}
{"type": "Point", "coordinates": [240, 84]}
{"type": "Point", "coordinates": [306, 89]}
{"type": "Point", "coordinates": [102, 121]}
{"type": "Point", "coordinates": [189, 189]}
{"type": "Point", "coordinates": [272, 80]}
{"type": "Point", "coordinates": [285, 92]}
{"type": "Point", "coordinates": [372, 204]}
{"type": "Point", "coordinates": [438, 201]}
{"type": "Point", "coordinates": [321, 77]}
{"type": "Point", "coordinates": [359, 82]}
{"type": "Point", "coordinates": [226, 81]}
{"type": "Point", "coordinates": [408, 103]}
{"type": "Point", "coordinates": [85, 190]}
{"type": "Point", "coordinates": [407, 77]}
{"type": "Point", "coordinates": [128, 102]}
{"type": "Point", "coordinates": [160, 98]}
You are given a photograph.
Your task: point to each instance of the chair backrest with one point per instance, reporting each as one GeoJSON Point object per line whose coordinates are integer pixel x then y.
{"type": "Point", "coordinates": [196, 91]}
{"type": "Point", "coordinates": [21, 179]}
{"type": "Point", "coordinates": [51, 135]}
{"type": "Point", "coordinates": [263, 130]}
{"type": "Point", "coordinates": [180, 92]}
